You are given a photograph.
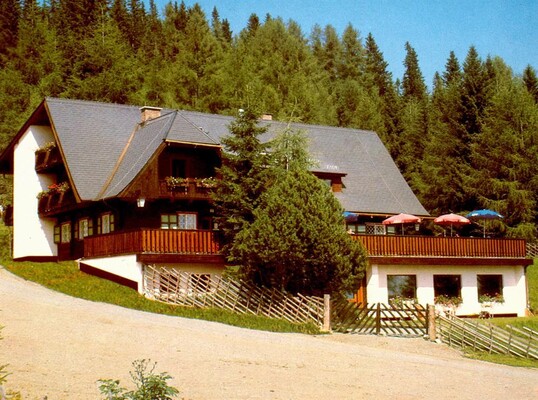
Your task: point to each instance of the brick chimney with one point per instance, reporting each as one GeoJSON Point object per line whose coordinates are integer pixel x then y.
{"type": "Point", "coordinates": [148, 113]}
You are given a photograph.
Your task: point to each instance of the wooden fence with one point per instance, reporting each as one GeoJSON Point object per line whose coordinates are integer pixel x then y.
{"type": "Point", "coordinates": [532, 250]}
{"type": "Point", "coordinates": [379, 319]}
{"type": "Point", "coordinates": [476, 335]}
{"type": "Point", "coordinates": [174, 286]}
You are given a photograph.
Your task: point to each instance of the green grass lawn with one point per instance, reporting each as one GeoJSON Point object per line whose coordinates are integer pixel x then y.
{"type": "Point", "coordinates": [65, 277]}
{"type": "Point", "coordinates": [532, 280]}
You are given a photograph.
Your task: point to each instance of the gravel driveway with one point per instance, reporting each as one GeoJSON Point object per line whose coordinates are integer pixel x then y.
{"type": "Point", "coordinates": [58, 346]}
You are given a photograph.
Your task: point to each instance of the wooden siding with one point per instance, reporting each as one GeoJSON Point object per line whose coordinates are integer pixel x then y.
{"type": "Point", "coordinates": [156, 241]}
{"type": "Point", "coordinates": [432, 246]}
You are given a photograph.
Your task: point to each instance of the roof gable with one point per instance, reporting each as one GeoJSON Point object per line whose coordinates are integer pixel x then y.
{"type": "Point", "coordinates": [106, 146]}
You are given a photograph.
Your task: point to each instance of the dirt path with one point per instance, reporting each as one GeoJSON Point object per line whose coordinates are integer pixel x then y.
{"type": "Point", "coordinates": [60, 346]}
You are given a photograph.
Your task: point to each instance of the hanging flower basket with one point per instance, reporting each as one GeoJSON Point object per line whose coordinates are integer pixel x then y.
{"type": "Point", "coordinates": [206, 182]}
{"type": "Point", "coordinates": [173, 182]}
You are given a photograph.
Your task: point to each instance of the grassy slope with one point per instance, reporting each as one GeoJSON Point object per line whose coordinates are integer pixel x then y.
{"type": "Point", "coordinates": [65, 277]}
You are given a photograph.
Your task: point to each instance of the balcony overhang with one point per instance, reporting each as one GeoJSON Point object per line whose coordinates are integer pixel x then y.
{"type": "Point", "coordinates": [433, 261]}
{"type": "Point", "coordinates": [155, 258]}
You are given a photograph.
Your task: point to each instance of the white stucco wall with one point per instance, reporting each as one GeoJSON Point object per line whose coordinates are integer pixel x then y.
{"type": "Point", "coordinates": [125, 266]}
{"type": "Point", "coordinates": [514, 290]}
{"type": "Point", "coordinates": [32, 236]}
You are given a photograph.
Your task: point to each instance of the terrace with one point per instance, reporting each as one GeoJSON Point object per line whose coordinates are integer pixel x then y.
{"type": "Point", "coordinates": [379, 247]}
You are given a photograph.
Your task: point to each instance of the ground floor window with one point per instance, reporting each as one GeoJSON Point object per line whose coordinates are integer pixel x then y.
{"type": "Point", "coordinates": [402, 287]}
{"type": "Point", "coordinates": [84, 228]}
{"type": "Point", "coordinates": [447, 285]}
{"type": "Point", "coordinates": [168, 221]}
{"type": "Point", "coordinates": [105, 223]}
{"type": "Point", "coordinates": [57, 234]}
{"type": "Point", "coordinates": [187, 221]}
{"type": "Point", "coordinates": [490, 287]}
{"type": "Point", "coordinates": [65, 232]}
{"type": "Point", "coordinates": [179, 221]}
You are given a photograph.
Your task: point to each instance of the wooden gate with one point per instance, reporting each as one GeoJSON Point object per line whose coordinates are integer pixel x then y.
{"type": "Point", "coordinates": [379, 319]}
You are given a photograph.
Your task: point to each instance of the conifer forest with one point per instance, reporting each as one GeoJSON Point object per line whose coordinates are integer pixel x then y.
{"type": "Point", "coordinates": [465, 141]}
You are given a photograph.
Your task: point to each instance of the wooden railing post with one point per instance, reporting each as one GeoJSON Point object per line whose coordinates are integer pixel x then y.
{"type": "Point", "coordinates": [432, 329]}
{"type": "Point", "coordinates": [326, 313]}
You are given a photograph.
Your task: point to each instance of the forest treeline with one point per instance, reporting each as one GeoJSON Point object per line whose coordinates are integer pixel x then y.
{"type": "Point", "coordinates": [469, 142]}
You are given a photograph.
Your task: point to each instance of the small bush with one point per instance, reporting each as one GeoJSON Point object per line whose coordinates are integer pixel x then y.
{"type": "Point", "coordinates": [149, 386]}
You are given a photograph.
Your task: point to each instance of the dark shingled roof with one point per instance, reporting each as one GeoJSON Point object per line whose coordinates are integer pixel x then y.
{"type": "Point", "coordinates": [106, 146]}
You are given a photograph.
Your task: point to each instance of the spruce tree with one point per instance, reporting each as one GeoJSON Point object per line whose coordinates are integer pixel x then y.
{"type": "Point", "coordinates": [531, 82]}
{"type": "Point", "coordinates": [297, 241]}
{"type": "Point", "coordinates": [243, 178]}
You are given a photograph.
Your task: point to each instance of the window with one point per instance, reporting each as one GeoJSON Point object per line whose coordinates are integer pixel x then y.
{"type": "Point", "coordinates": [375, 229]}
{"type": "Point", "coordinates": [179, 221]}
{"type": "Point", "coordinates": [403, 286]}
{"type": "Point", "coordinates": [105, 223]}
{"type": "Point", "coordinates": [85, 228]}
{"type": "Point", "coordinates": [447, 285]}
{"type": "Point", "coordinates": [57, 235]}
{"type": "Point", "coordinates": [168, 221]}
{"type": "Point", "coordinates": [65, 232]}
{"type": "Point", "coordinates": [490, 285]}
{"type": "Point", "coordinates": [187, 221]}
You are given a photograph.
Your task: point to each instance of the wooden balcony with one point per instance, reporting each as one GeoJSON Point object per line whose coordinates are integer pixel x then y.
{"type": "Point", "coordinates": [51, 203]}
{"type": "Point", "coordinates": [191, 189]}
{"type": "Point", "coordinates": [381, 248]}
{"type": "Point", "coordinates": [471, 249]}
{"type": "Point", "coordinates": [48, 159]}
{"type": "Point", "coordinates": [153, 241]}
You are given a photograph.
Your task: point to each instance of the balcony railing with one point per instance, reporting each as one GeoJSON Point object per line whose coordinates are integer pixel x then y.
{"type": "Point", "coordinates": [154, 241]}
{"type": "Point", "coordinates": [432, 246]}
{"type": "Point", "coordinates": [205, 242]}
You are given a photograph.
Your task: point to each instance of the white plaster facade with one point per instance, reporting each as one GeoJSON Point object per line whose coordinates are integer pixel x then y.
{"type": "Point", "coordinates": [513, 278]}
{"type": "Point", "coordinates": [32, 236]}
{"type": "Point", "coordinates": [128, 267]}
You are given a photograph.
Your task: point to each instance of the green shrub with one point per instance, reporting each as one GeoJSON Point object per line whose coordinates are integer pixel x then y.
{"type": "Point", "coordinates": [149, 386]}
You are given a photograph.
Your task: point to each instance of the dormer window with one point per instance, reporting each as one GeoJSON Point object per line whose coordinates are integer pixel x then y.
{"type": "Point", "coordinates": [331, 179]}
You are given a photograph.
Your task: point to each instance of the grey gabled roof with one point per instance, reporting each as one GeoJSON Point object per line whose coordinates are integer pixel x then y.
{"type": "Point", "coordinates": [372, 184]}
{"type": "Point", "coordinates": [106, 147]}
{"type": "Point", "coordinates": [92, 137]}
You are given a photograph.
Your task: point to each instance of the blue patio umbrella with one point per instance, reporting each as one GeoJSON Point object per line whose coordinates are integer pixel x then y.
{"type": "Point", "coordinates": [484, 214]}
{"type": "Point", "coordinates": [350, 216]}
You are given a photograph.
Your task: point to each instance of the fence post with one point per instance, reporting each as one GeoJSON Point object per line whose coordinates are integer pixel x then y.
{"type": "Point", "coordinates": [432, 330]}
{"type": "Point", "coordinates": [378, 319]}
{"type": "Point", "coordinates": [326, 313]}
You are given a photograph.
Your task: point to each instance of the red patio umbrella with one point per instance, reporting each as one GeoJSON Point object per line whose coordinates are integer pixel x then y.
{"type": "Point", "coordinates": [402, 219]}
{"type": "Point", "coordinates": [451, 220]}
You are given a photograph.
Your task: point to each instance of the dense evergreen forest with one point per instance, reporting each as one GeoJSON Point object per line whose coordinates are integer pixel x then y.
{"type": "Point", "coordinates": [469, 142]}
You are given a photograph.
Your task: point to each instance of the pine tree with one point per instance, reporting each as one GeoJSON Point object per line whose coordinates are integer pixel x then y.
{"type": "Point", "coordinates": [504, 155]}
{"type": "Point", "coordinates": [378, 78]}
{"type": "Point", "coordinates": [473, 93]}
{"type": "Point", "coordinates": [297, 240]}
{"type": "Point", "coordinates": [531, 82]}
{"type": "Point", "coordinates": [10, 11]}
{"type": "Point", "coordinates": [243, 179]}
{"type": "Point", "coordinates": [413, 81]}
{"type": "Point", "coordinates": [414, 119]}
